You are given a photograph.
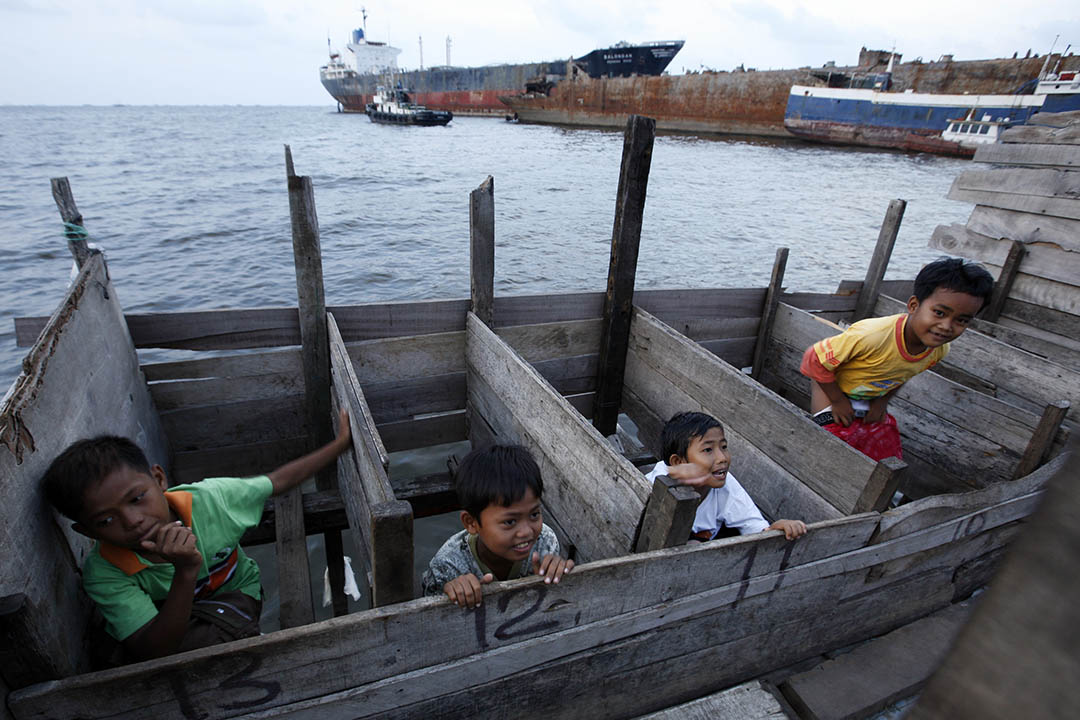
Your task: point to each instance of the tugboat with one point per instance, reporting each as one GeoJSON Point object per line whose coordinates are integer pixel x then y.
{"type": "Point", "coordinates": [395, 107]}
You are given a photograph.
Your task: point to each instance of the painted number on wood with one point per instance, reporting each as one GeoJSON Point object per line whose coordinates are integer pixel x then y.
{"type": "Point", "coordinates": [505, 630]}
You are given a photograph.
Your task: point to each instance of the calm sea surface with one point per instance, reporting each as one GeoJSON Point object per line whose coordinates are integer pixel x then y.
{"type": "Point", "coordinates": [190, 204]}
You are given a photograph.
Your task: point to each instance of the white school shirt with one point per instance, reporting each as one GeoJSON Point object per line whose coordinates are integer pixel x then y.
{"type": "Point", "coordinates": [728, 506]}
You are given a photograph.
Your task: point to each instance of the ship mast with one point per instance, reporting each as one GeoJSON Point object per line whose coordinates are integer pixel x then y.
{"type": "Point", "coordinates": [1042, 73]}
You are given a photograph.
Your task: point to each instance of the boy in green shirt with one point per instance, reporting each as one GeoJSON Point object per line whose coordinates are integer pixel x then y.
{"type": "Point", "coordinates": [167, 570]}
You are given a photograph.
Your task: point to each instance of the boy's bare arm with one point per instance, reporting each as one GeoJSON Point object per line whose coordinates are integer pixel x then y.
{"type": "Point", "coordinates": [295, 472]}
{"type": "Point", "coordinates": [163, 635]}
{"type": "Point", "coordinates": [841, 404]}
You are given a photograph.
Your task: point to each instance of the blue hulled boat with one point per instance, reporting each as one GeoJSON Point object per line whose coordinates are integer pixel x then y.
{"type": "Point", "coordinates": [867, 113]}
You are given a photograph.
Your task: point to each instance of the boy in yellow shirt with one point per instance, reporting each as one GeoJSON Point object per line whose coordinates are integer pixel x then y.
{"type": "Point", "coordinates": [854, 374]}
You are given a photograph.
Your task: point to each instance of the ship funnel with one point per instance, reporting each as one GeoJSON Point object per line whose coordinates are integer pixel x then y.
{"type": "Point", "coordinates": [358, 36]}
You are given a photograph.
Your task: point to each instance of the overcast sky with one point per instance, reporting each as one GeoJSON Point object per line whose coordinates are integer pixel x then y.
{"type": "Point", "coordinates": [268, 52]}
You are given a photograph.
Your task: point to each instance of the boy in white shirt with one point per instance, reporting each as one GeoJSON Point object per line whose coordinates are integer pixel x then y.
{"type": "Point", "coordinates": [696, 454]}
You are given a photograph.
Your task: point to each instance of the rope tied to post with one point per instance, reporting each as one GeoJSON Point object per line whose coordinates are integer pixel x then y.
{"type": "Point", "coordinates": [74, 232]}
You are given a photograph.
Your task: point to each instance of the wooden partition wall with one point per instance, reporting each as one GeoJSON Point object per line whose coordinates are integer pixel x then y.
{"type": "Point", "coordinates": [81, 379]}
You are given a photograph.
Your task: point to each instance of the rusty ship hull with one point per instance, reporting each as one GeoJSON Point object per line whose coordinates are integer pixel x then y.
{"type": "Point", "coordinates": [745, 102]}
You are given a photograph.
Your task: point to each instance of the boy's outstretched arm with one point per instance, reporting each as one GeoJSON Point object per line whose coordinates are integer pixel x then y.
{"type": "Point", "coordinates": [163, 635]}
{"type": "Point", "coordinates": [296, 471]}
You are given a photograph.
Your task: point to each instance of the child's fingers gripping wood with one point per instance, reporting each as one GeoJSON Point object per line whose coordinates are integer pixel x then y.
{"type": "Point", "coordinates": [552, 567]}
{"type": "Point", "coordinates": [467, 590]}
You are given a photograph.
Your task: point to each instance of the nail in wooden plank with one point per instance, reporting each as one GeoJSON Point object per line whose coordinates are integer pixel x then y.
{"type": "Point", "coordinates": [879, 263]}
{"type": "Point", "coordinates": [622, 270]}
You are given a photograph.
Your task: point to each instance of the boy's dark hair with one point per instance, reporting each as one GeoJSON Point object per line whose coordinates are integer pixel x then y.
{"type": "Point", "coordinates": [954, 274]}
{"type": "Point", "coordinates": [682, 428]}
{"type": "Point", "coordinates": [87, 462]}
{"type": "Point", "coordinates": [496, 474]}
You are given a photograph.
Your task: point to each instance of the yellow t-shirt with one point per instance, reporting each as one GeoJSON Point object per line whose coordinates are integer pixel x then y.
{"type": "Point", "coordinates": [869, 358]}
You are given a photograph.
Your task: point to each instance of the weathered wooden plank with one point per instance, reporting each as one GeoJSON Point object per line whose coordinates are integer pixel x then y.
{"type": "Point", "coordinates": [830, 467]}
{"type": "Point", "coordinates": [177, 394]}
{"type": "Point", "coordinates": [822, 302]}
{"type": "Point", "coordinates": [324, 511]}
{"type": "Point", "coordinates": [748, 701]}
{"type": "Point", "coordinates": [482, 250]}
{"type": "Point", "coordinates": [1049, 319]}
{"type": "Point", "coordinates": [1011, 659]}
{"type": "Point", "coordinates": [1058, 207]}
{"type": "Point", "coordinates": [234, 423]}
{"type": "Point", "coordinates": [1041, 259]}
{"type": "Point", "coordinates": [388, 525]}
{"type": "Point", "coordinates": [281, 361]}
{"type": "Point", "coordinates": [270, 327]}
{"type": "Point", "coordinates": [930, 511]}
{"type": "Point", "coordinates": [1036, 230]}
{"type": "Point", "coordinates": [428, 494]}
{"type": "Point", "coordinates": [622, 269]}
{"type": "Point", "coordinates": [768, 314]}
{"type": "Point", "coordinates": [236, 460]}
{"type": "Point", "coordinates": [737, 352]}
{"type": "Point", "coordinates": [423, 432]}
{"type": "Point", "coordinates": [651, 398]}
{"type": "Point", "coordinates": [73, 219]}
{"type": "Point", "coordinates": [1042, 155]}
{"type": "Point", "coordinates": [1006, 367]}
{"type": "Point", "coordinates": [353, 651]}
{"type": "Point", "coordinates": [592, 489]}
{"type": "Point", "coordinates": [1005, 279]}
{"type": "Point", "coordinates": [1042, 440]}
{"type": "Point", "coordinates": [1046, 183]}
{"type": "Point", "coordinates": [81, 379]}
{"type": "Point", "coordinates": [879, 263]}
{"type": "Point", "coordinates": [1037, 133]}
{"type": "Point", "coordinates": [669, 515]}
{"type": "Point", "coordinates": [1048, 293]}
{"type": "Point", "coordinates": [290, 546]}
{"type": "Point", "coordinates": [874, 675]}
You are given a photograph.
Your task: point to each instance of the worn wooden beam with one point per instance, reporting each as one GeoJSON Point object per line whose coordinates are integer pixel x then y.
{"type": "Point", "coordinates": [879, 263]}
{"type": "Point", "coordinates": [382, 523]}
{"type": "Point", "coordinates": [1042, 440]}
{"type": "Point", "coordinates": [668, 518]}
{"type": "Point", "coordinates": [74, 229]}
{"type": "Point", "coordinates": [622, 269]}
{"type": "Point", "coordinates": [482, 250]}
{"type": "Point", "coordinates": [1004, 283]}
{"type": "Point", "coordinates": [768, 312]}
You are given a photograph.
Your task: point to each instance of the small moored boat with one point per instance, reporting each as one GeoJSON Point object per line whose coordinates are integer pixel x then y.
{"type": "Point", "coordinates": [394, 107]}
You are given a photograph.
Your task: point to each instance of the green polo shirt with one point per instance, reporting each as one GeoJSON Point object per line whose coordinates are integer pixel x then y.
{"type": "Point", "coordinates": [126, 586]}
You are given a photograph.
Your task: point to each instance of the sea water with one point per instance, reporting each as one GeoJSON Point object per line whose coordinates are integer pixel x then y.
{"type": "Point", "coordinates": [191, 207]}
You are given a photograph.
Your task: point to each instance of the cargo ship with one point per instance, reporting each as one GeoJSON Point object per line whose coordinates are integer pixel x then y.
{"type": "Point", "coordinates": [864, 111]}
{"type": "Point", "coordinates": [476, 90]}
{"type": "Point", "coordinates": [749, 102]}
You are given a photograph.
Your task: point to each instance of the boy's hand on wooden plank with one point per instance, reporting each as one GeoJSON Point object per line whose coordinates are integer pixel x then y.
{"type": "Point", "coordinates": [552, 567]}
{"type": "Point", "coordinates": [344, 433]}
{"type": "Point", "coordinates": [842, 411]}
{"type": "Point", "coordinates": [690, 474]}
{"type": "Point", "coordinates": [175, 543]}
{"type": "Point", "coordinates": [792, 528]}
{"type": "Point", "coordinates": [467, 590]}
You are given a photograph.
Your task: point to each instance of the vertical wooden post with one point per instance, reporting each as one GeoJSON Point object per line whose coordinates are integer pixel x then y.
{"type": "Point", "coordinates": [1042, 440]}
{"type": "Point", "coordinates": [291, 540]}
{"type": "Point", "coordinates": [992, 311]}
{"type": "Point", "coordinates": [482, 250]}
{"type": "Point", "coordinates": [768, 312]}
{"type": "Point", "coordinates": [668, 518]}
{"type": "Point", "coordinates": [864, 306]}
{"type": "Point", "coordinates": [69, 213]}
{"type": "Point", "coordinates": [622, 270]}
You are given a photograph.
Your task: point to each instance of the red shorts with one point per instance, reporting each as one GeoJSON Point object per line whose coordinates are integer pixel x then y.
{"type": "Point", "coordinates": [875, 440]}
